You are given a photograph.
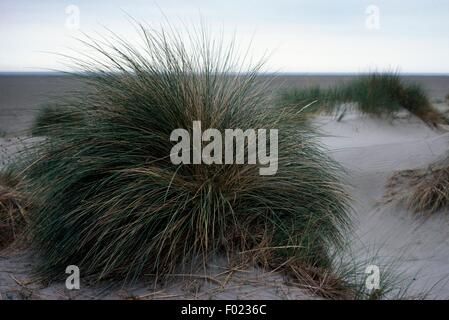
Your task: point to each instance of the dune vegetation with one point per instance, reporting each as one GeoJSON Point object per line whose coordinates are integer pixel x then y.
{"type": "Point", "coordinates": [51, 119]}
{"type": "Point", "coordinates": [13, 209]}
{"type": "Point", "coordinates": [378, 94]}
{"type": "Point", "coordinates": [421, 190]}
{"type": "Point", "coordinates": [107, 198]}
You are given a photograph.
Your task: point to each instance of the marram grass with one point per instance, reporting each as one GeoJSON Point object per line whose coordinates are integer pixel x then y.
{"type": "Point", "coordinates": [378, 94]}
{"type": "Point", "coordinates": [107, 198]}
{"type": "Point", "coordinates": [13, 209]}
{"type": "Point", "coordinates": [51, 119]}
{"type": "Point", "coordinates": [424, 190]}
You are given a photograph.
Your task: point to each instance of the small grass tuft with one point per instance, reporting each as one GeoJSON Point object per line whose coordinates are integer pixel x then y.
{"type": "Point", "coordinates": [13, 209]}
{"type": "Point", "coordinates": [51, 119]}
{"type": "Point", "coordinates": [422, 190]}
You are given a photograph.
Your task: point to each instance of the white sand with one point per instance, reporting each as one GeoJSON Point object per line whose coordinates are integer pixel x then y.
{"type": "Point", "coordinates": [218, 282]}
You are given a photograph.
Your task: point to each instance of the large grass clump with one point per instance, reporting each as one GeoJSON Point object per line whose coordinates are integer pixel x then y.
{"type": "Point", "coordinates": [108, 199]}
{"type": "Point", "coordinates": [379, 94]}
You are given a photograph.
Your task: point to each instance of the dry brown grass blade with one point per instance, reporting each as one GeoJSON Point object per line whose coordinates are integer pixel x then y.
{"type": "Point", "coordinates": [422, 190]}
{"type": "Point", "coordinates": [12, 212]}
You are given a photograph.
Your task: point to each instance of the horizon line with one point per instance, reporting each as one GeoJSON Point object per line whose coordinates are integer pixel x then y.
{"type": "Point", "coordinates": [287, 73]}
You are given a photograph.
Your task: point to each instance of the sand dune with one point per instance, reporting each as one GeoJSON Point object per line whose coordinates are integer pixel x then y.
{"type": "Point", "coordinates": [370, 150]}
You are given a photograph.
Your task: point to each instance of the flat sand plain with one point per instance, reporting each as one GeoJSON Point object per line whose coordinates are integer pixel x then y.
{"type": "Point", "coordinates": [370, 150]}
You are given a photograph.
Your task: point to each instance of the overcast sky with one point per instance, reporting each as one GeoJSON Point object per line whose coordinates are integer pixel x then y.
{"type": "Point", "coordinates": [302, 35]}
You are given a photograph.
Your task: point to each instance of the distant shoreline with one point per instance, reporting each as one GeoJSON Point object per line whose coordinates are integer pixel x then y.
{"type": "Point", "coordinates": [288, 74]}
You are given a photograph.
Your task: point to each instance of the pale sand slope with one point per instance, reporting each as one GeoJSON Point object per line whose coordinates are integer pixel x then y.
{"type": "Point", "coordinates": [371, 150]}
